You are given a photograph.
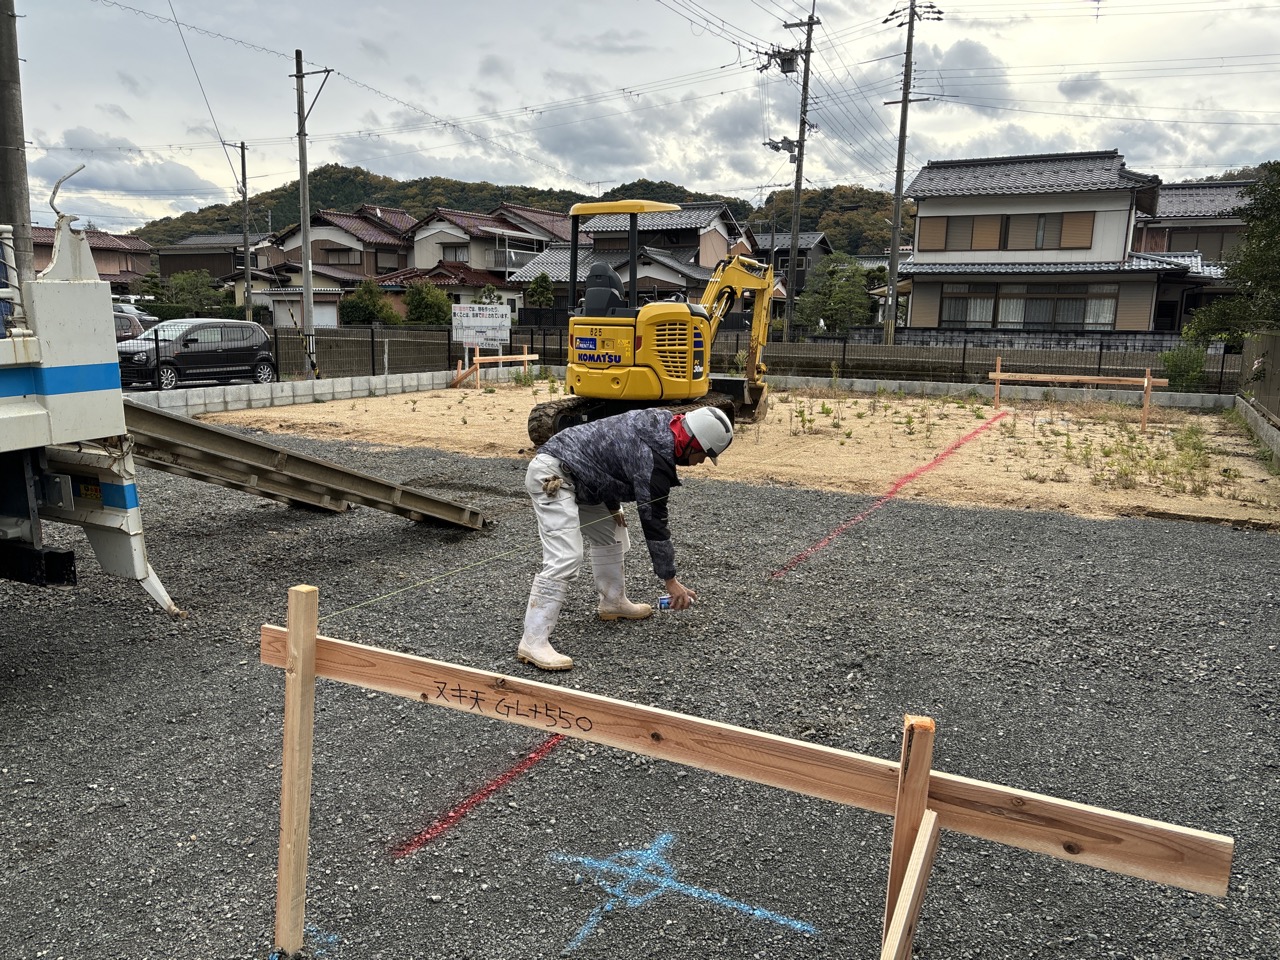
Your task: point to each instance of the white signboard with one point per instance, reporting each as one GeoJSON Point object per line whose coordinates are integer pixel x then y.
{"type": "Point", "coordinates": [482, 324]}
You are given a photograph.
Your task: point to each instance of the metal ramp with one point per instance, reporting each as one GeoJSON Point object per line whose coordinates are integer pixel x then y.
{"type": "Point", "coordinates": [202, 451]}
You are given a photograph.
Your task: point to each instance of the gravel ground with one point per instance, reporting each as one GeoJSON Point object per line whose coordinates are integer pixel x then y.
{"type": "Point", "coordinates": [1129, 664]}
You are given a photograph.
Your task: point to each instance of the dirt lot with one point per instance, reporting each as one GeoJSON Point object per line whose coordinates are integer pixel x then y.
{"type": "Point", "coordinates": [1087, 459]}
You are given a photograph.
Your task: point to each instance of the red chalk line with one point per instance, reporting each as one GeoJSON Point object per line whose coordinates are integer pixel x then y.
{"type": "Point", "coordinates": [451, 818]}
{"type": "Point", "coordinates": [888, 495]}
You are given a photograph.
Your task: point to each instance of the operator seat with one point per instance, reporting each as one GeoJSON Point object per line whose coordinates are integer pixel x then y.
{"type": "Point", "coordinates": [604, 291]}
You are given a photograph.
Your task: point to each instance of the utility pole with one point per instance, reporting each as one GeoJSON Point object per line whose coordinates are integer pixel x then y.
{"type": "Point", "coordinates": [304, 218]}
{"type": "Point", "coordinates": [244, 198]}
{"type": "Point", "coordinates": [248, 269]}
{"type": "Point", "coordinates": [799, 158]}
{"type": "Point", "coordinates": [895, 239]}
{"type": "Point", "coordinates": [15, 193]}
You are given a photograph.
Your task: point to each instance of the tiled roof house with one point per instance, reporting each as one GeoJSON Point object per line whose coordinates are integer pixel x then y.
{"type": "Point", "coordinates": [1041, 243]}
{"type": "Point", "coordinates": [502, 241]}
{"type": "Point", "coordinates": [1201, 218]}
{"type": "Point", "coordinates": [118, 259]}
{"type": "Point", "coordinates": [367, 242]}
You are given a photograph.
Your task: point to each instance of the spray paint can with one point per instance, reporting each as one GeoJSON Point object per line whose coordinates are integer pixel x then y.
{"type": "Point", "coordinates": [664, 602]}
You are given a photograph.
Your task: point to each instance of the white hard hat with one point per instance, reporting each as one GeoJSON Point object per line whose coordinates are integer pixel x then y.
{"type": "Point", "coordinates": [711, 428]}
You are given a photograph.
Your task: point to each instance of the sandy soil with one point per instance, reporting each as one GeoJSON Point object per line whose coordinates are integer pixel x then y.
{"type": "Point", "coordinates": [1086, 459]}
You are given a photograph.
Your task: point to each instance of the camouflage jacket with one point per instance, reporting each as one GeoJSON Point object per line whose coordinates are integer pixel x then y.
{"type": "Point", "coordinates": [630, 457]}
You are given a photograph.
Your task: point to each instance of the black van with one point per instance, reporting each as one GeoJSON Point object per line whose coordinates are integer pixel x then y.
{"type": "Point", "coordinates": [197, 349]}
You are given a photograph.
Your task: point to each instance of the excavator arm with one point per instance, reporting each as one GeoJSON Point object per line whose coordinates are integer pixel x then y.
{"type": "Point", "coordinates": [731, 280]}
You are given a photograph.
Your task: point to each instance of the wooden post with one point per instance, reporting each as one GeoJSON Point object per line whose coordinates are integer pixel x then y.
{"type": "Point", "coordinates": [897, 940]}
{"type": "Point", "coordinates": [997, 379]}
{"type": "Point", "coordinates": [912, 801]}
{"type": "Point", "coordinates": [295, 770]}
{"type": "Point", "coordinates": [1146, 397]}
{"type": "Point", "coordinates": [526, 358]}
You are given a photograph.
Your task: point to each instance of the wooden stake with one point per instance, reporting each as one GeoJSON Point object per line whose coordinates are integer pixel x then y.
{"type": "Point", "coordinates": [897, 941]}
{"type": "Point", "coordinates": [1146, 398]}
{"type": "Point", "coordinates": [997, 379]}
{"type": "Point", "coordinates": [913, 798]}
{"type": "Point", "coordinates": [295, 770]}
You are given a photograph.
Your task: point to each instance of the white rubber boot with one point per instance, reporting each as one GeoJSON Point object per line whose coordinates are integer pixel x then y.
{"type": "Point", "coordinates": [546, 597]}
{"type": "Point", "coordinates": [606, 566]}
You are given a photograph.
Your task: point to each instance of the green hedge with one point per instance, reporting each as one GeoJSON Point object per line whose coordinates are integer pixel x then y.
{"type": "Point", "coordinates": [176, 311]}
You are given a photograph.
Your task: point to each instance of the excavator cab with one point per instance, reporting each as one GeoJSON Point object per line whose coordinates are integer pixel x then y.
{"type": "Point", "coordinates": [624, 355]}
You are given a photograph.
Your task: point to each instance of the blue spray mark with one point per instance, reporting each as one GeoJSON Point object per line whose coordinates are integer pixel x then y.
{"type": "Point", "coordinates": [323, 944]}
{"type": "Point", "coordinates": [634, 878]}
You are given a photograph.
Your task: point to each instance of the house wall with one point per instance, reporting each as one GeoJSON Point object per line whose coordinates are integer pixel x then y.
{"type": "Point", "coordinates": [1112, 225]}
{"type": "Point", "coordinates": [218, 264]}
{"type": "Point", "coordinates": [428, 241]}
{"type": "Point", "coordinates": [104, 261]}
{"type": "Point", "coordinates": [713, 246]}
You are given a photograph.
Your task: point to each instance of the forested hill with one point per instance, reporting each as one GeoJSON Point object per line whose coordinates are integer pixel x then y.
{"type": "Point", "coordinates": [335, 187]}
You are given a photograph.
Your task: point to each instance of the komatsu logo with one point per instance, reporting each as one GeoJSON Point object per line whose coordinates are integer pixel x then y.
{"type": "Point", "coordinates": [599, 358]}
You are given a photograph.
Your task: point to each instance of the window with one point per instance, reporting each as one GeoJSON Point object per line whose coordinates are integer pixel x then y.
{"type": "Point", "coordinates": [388, 260]}
{"type": "Point", "coordinates": [1029, 306]}
{"type": "Point", "coordinates": [1018, 231]}
{"type": "Point", "coordinates": [459, 253]}
{"type": "Point", "coordinates": [967, 305]}
{"type": "Point", "coordinates": [344, 256]}
{"type": "Point", "coordinates": [959, 233]}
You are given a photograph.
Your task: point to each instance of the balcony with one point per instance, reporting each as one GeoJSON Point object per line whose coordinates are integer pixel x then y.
{"type": "Point", "coordinates": [507, 260]}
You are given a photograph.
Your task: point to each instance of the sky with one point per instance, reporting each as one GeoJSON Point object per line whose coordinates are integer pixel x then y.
{"type": "Point", "coordinates": [587, 95]}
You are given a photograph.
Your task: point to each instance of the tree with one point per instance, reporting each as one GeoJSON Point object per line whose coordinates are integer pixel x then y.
{"type": "Point", "coordinates": [366, 306]}
{"type": "Point", "coordinates": [424, 302]}
{"type": "Point", "coordinates": [836, 293]}
{"type": "Point", "coordinates": [488, 294]}
{"type": "Point", "coordinates": [540, 294]}
{"type": "Point", "coordinates": [194, 291]}
{"type": "Point", "coordinates": [148, 286]}
{"type": "Point", "coordinates": [1253, 269]}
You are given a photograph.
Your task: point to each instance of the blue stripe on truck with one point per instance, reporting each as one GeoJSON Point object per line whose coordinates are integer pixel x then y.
{"type": "Point", "coordinates": [55, 381]}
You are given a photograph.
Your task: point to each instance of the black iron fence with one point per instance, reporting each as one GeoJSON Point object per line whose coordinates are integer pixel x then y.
{"type": "Point", "coordinates": [956, 356]}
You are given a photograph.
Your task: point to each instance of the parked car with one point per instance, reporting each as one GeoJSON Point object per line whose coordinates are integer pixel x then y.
{"type": "Point", "coordinates": [175, 351]}
{"type": "Point", "coordinates": [127, 326]}
{"type": "Point", "coordinates": [128, 309]}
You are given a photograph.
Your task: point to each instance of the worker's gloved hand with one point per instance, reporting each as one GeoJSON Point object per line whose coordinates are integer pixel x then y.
{"type": "Point", "coordinates": [681, 596]}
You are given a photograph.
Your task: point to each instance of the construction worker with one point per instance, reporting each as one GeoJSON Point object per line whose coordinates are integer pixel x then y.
{"type": "Point", "coordinates": [578, 482]}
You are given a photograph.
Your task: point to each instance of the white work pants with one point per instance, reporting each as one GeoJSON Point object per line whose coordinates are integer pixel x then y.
{"type": "Point", "coordinates": [564, 525]}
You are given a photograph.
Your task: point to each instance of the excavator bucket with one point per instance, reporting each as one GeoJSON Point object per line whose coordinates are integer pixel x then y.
{"type": "Point", "coordinates": [750, 400]}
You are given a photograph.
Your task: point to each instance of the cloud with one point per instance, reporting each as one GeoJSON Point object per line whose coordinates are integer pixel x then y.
{"type": "Point", "coordinates": [115, 111]}
{"type": "Point", "coordinates": [967, 70]}
{"type": "Point", "coordinates": [117, 176]}
{"type": "Point", "coordinates": [372, 49]}
{"type": "Point", "coordinates": [133, 85]}
{"type": "Point", "coordinates": [614, 43]}
{"type": "Point", "coordinates": [1092, 88]}
{"type": "Point", "coordinates": [492, 67]}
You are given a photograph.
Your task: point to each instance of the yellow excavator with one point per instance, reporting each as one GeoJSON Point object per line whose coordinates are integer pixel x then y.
{"type": "Point", "coordinates": [623, 355]}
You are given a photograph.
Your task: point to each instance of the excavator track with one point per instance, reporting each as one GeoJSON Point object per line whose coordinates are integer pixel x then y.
{"type": "Point", "coordinates": [548, 419]}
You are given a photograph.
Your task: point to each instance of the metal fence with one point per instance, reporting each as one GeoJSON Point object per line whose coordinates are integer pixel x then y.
{"type": "Point", "coordinates": [940, 355]}
{"type": "Point", "coordinates": [1261, 371]}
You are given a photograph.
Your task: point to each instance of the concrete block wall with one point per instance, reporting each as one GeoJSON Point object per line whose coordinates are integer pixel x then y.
{"type": "Point", "coordinates": [194, 401]}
